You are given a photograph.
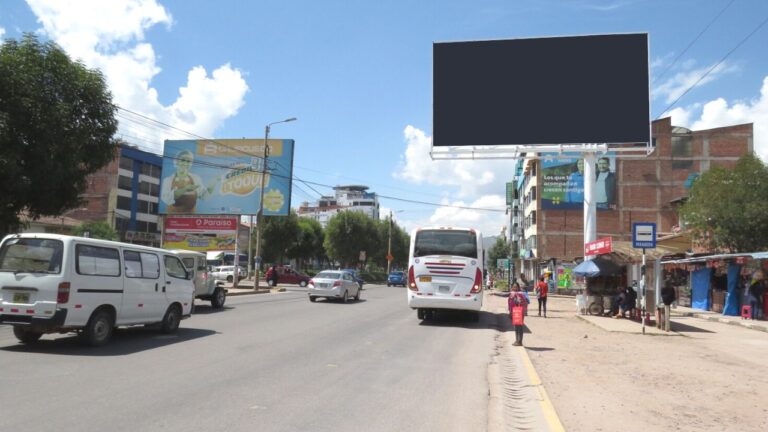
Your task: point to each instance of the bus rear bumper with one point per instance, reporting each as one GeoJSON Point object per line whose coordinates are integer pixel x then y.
{"type": "Point", "coordinates": [472, 303]}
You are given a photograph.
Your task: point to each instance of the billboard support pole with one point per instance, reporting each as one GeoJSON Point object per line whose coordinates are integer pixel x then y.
{"type": "Point", "coordinates": [590, 207]}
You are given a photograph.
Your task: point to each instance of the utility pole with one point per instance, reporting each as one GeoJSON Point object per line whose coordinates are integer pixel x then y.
{"type": "Point", "coordinates": [259, 215]}
{"type": "Point", "coordinates": [389, 244]}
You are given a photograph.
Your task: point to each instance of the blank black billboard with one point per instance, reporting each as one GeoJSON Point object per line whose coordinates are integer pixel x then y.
{"type": "Point", "coordinates": [557, 90]}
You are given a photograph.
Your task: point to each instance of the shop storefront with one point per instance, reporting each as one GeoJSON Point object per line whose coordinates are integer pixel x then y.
{"type": "Point", "coordinates": [720, 283]}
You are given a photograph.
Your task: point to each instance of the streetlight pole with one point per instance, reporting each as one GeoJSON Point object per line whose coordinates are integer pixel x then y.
{"type": "Point", "coordinates": [259, 215]}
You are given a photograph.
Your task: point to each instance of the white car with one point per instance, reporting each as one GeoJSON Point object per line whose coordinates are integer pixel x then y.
{"type": "Point", "coordinates": [227, 273]}
{"type": "Point", "coordinates": [333, 284]}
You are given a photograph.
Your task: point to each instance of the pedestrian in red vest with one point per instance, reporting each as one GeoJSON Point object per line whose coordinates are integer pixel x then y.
{"type": "Point", "coordinates": [541, 294]}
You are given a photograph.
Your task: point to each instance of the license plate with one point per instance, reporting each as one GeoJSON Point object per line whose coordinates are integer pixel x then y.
{"type": "Point", "coordinates": [425, 278]}
{"type": "Point", "coordinates": [444, 289]}
{"type": "Point", "coordinates": [322, 285]}
{"type": "Point", "coordinates": [21, 297]}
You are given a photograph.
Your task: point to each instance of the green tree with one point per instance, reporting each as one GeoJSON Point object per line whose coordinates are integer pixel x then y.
{"type": "Point", "coordinates": [400, 242]}
{"type": "Point", "coordinates": [726, 208]}
{"type": "Point", "coordinates": [347, 234]}
{"type": "Point", "coordinates": [57, 126]}
{"type": "Point", "coordinates": [99, 230]}
{"type": "Point", "coordinates": [310, 241]}
{"type": "Point", "coordinates": [279, 235]}
{"type": "Point", "coordinates": [499, 250]}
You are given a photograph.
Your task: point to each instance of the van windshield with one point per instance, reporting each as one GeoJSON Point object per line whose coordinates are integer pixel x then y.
{"type": "Point", "coordinates": [31, 255]}
{"type": "Point", "coordinates": [445, 242]}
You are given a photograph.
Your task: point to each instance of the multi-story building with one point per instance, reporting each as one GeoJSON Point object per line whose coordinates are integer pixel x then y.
{"type": "Point", "coordinates": [125, 193]}
{"type": "Point", "coordinates": [648, 189]}
{"type": "Point", "coordinates": [349, 197]}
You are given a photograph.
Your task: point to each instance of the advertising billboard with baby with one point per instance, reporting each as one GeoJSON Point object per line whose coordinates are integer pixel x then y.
{"type": "Point", "coordinates": [563, 182]}
{"type": "Point", "coordinates": [224, 176]}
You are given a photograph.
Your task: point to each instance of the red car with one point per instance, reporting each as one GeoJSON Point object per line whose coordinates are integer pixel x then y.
{"type": "Point", "coordinates": [287, 275]}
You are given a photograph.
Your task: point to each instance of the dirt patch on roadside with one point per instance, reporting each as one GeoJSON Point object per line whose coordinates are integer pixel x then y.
{"type": "Point", "coordinates": [714, 378]}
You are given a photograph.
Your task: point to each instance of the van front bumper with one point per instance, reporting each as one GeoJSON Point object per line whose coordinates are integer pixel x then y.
{"type": "Point", "coordinates": [37, 324]}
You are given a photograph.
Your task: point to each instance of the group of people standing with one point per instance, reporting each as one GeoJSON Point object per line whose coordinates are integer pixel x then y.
{"type": "Point", "coordinates": [518, 303]}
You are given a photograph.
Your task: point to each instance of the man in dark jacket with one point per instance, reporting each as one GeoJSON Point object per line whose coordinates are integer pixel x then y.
{"type": "Point", "coordinates": [668, 296]}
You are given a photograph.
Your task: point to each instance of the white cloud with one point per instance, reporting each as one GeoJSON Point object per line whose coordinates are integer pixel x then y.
{"type": "Point", "coordinates": [719, 113]}
{"type": "Point", "coordinates": [674, 87]}
{"type": "Point", "coordinates": [109, 35]}
{"type": "Point", "coordinates": [472, 177]}
{"type": "Point", "coordinates": [477, 184]}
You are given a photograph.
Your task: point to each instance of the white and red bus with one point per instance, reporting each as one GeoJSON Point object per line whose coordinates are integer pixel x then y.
{"type": "Point", "coordinates": [445, 270]}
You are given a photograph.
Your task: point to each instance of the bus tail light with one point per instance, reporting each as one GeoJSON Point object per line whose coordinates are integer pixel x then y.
{"type": "Point", "coordinates": [478, 285]}
{"type": "Point", "coordinates": [411, 280]}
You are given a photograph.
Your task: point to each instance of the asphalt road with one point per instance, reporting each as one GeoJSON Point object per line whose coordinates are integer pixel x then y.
{"type": "Point", "coordinates": [268, 362]}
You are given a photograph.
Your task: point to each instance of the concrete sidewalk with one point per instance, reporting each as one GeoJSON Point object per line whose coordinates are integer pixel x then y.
{"type": "Point", "coordinates": [622, 325]}
{"type": "Point", "coordinates": [246, 287]}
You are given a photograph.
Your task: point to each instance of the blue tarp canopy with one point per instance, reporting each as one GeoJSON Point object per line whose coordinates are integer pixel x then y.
{"type": "Point", "coordinates": [597, 267]}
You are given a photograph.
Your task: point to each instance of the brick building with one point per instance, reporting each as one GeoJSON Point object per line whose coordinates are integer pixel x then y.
{"type": "Point", "coordinates": [648, 190]}
{"type": "Point", "coordinates": [125, 194]}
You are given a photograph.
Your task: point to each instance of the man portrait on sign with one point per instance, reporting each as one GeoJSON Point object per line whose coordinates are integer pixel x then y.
{"type": "Point", "coordinates": [605, 185]}
{"type": "Point", "coordinates": [575, 186]}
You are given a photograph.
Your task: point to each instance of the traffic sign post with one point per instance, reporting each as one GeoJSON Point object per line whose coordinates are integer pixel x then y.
{"type": "Point", "coordinates": [643, 236]}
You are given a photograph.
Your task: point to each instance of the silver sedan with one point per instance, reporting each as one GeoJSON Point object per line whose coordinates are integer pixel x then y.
{"type": "Point", "coordinates": [334, 284]}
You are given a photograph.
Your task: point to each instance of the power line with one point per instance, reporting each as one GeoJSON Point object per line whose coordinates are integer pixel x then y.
{"type": "Point", "coordinates": [693, 41]}
{"type": "Point", "coordinates": [714, 66]}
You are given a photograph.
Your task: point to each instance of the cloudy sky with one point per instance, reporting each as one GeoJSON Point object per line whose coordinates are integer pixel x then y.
{"type": "Point", "coordinates": [358, 75]}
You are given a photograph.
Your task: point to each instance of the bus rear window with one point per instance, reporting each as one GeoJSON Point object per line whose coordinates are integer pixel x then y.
{"type": "Point", "coordinates": [444, 242]}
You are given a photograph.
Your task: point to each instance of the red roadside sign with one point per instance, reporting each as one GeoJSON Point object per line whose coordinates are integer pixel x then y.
{"type": "Point", "coordinates": [599, 246]}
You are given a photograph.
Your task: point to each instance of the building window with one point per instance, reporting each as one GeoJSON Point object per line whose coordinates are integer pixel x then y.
{"type": "Point", "coordinates": [123, 203]}
{"type": "Point", "coordinates": [124, 182]}
{"type": "Point", "coordinates": [533, 193]}
{"type": "Point", "coordinates": [533, 217]}
{"type": "Point", "coordinates": [143, 207]}
{"type": "Point", "coordinates": [682, 147]}
{"type": "Point", "coordinates": [150, 170]}
{"type": "Point", "coordinates": [126, 163]}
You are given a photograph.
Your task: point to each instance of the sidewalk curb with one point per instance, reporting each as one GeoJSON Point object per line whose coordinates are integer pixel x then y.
{"type": "Point", "coordinates": [736, 321]}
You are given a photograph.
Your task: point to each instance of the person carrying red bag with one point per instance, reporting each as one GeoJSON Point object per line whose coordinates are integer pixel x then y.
{"type": "Point", "coordinates": [516, 304]}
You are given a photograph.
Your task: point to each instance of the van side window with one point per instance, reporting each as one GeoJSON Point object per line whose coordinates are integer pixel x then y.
{"type": "Point", "coordinates": [188, 262]}
{"type": "Point", "coordinates": [174, 267]}
{"type": "Point", "coordinates": [141, 265]}
{"type": "Point", "coordinates": [97, 260]}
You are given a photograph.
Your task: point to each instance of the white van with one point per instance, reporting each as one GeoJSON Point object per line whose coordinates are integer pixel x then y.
{"type": "Point", "coordinates": [445, 270]}
{"type": "Point", "coordinates": [205, 286]}
{"type": "Point", "coordinates": [57, 283]}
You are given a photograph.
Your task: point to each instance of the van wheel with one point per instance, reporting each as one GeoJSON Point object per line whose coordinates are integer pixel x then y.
{"type": "Point", "coordinates": [303, 283]}
{"type": "Point", "coordinates": [218, 299]}
{"type": "Point", "coordinates": [99, 328]}
{"type": "Point", "coordinates": [171, 320]}
{"type": "Point", "coordinates": [26, 335]}
{"type": "Point", "coordinates": [230, 279]}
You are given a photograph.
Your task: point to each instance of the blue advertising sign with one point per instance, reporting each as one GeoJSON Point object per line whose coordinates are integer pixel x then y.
{"type": "Point", "coordinates": [210, 177]}
{"type": "Point", "coordinates": [563, 182]}
{"type": "Point", "coordinates": [644, 235]}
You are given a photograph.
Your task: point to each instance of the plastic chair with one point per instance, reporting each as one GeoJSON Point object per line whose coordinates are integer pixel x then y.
{"type": "Point", "coordinates": [746, 311]}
